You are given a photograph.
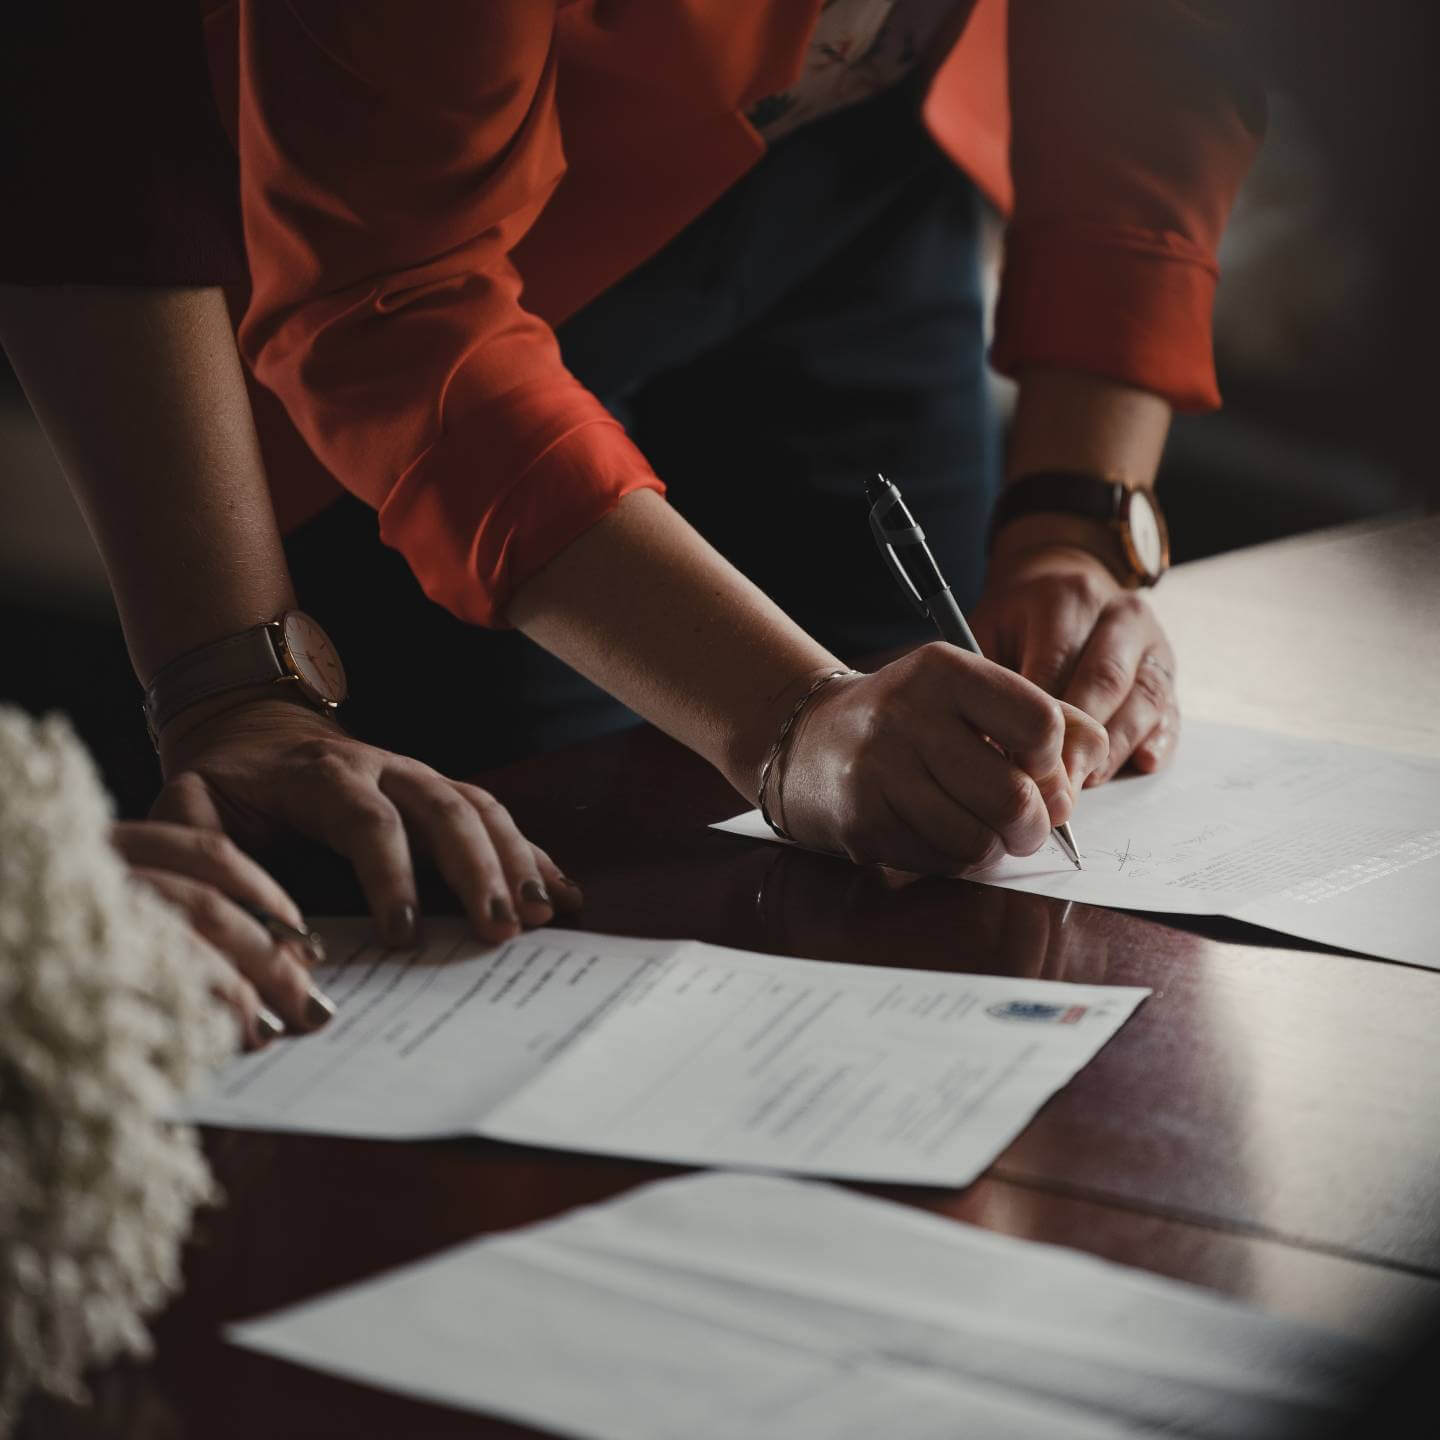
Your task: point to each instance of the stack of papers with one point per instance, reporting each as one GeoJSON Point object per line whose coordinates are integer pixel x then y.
{"type": "Point", "coordinates": [1333, 843]}
{"type": "Point", "coordinates": [674, 1051]}
{"type": "Point", "coordinates": [718, 1306]}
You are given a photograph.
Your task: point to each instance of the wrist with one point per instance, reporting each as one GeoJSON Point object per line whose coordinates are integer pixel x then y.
{"type": "Point", "coordinates": [264, 703]}
{"type": "Point", "coordinates": [1024, 537]}
{"type": "Point", "coordinates": [753, 738]}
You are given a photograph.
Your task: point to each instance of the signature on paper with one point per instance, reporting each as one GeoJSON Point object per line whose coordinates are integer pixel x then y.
{"type": "Point", "coordinates": [1131, 863]}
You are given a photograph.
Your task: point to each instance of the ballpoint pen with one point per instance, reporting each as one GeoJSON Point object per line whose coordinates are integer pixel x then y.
{"type": "Point", "coordinates": [902, 543]}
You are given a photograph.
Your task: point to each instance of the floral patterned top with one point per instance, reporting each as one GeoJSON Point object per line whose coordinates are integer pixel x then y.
{"type": "Point", "coordinates": [857, 49]}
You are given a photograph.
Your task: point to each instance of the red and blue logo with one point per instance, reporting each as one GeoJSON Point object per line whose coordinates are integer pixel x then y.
{"type": "Point", "coordinates": [1037, 1012]}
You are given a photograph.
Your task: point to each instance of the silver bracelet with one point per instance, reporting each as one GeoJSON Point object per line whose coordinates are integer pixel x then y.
{"type": "Point", "coordinates": [780, 739]}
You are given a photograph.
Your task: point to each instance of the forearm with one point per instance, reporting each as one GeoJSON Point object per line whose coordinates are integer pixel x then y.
{"type": "Point", "coordinates": [645, 608]}
{"type": "Point", "coordinates": [167, 471]}
{"type": "Point", "coordinates": [1066, 420]}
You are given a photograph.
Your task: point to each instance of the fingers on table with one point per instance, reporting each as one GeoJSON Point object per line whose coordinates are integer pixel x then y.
{"type": "Point", "coordinates": [208, 856]}
{"type": "Point", "coordinates": [1126, 677]}
{"type": "Point", "coordinates": [369, 806]}
{"type": "Point", "coordinates": [277, 980]}
{"type": "Point", "coordinates": [1145, 715]}
{"type": "Point", "coordinates": [538, 885]}
{"type": "Point", "coordinates": [565, 895]}
{"type": "Point", "coordinates": [1158, 747]}
{"type": "Point", "coordinates": [1104, 673]}
{"type": "Point", "coordinates": [504, 882]}
{"type": "Point", "coordinates": [338, 802]}
{"type": "Point", "coordinates": [1053, 639]}
{"type": "Point", "coordinates": [470, 848]}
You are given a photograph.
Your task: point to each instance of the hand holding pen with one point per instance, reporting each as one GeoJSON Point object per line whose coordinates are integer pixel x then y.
{"type": "Point", "coordinates": [902, 543]}
{"type": "Point", "coordinates": [938, 763]}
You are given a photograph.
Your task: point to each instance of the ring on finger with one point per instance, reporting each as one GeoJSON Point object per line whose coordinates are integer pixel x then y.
{"type": "Point", "coordinates": [1154, 660]}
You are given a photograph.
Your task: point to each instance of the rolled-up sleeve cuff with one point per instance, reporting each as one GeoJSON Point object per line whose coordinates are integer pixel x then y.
{"type": "Point", "coordinates": [1131, 305]}
{"type": "Point", "coordinates": [471, 544]}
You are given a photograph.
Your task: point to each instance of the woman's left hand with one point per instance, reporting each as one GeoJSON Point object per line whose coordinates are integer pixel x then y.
{"type": "Point", "coordinates": [271, 766]}
{"type": "Point", "coordinates": [1057, 615]}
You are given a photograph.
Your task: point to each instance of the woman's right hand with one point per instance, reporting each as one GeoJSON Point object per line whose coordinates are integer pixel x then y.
{"type": "Point", "coordinates": [217, 887]}
{"type": "Point", "coordinates": [940, 763]}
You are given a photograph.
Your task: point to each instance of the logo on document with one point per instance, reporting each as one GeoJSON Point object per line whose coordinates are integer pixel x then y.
{"type": "Point", "coordinates": [1037, 1010]}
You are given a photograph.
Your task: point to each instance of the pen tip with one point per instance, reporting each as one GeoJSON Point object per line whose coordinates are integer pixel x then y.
{"type": "Point", "coordinates": [876, 488]}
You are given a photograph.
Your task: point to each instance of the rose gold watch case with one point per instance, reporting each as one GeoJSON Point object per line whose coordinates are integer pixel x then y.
{"type": "Point", "coordinates": [1140, 524]}
{"type": "Point", "coordinates": [311, 660]}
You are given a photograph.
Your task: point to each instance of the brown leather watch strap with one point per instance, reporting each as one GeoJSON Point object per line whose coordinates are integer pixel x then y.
{"type": "Point", "coordinates": [1062, 492]}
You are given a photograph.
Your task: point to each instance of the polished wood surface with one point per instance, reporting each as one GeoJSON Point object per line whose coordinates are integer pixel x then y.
{"type": "Point", "coordinates": [1333, 635]}
{"type": "Point", "coordinates": [1263, 1126]}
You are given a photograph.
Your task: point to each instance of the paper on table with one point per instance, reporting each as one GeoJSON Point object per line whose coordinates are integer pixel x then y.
{"type": "Point", "coordinates": [726, 1057]}
{"type": "Point", "coordinates": [676, 1051]}
{"type": "Point", "coordinates": [729, 1305]}
{"type": "Point", "coordinates": [1334, 843]}
{"type": "Point", "coordinates": [427, 1041]}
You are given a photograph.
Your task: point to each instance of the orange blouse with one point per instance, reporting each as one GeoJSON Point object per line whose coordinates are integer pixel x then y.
{"type": "Point", "coordinates": [407, 173]}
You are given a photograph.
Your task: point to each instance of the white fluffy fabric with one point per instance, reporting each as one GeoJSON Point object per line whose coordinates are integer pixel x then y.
{"type": "Point", "coordinates": [106, 1021]}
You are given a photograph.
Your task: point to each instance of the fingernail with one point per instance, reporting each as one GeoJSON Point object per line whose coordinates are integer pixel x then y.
{"type": "Point", "coordinates": [400, 927]}
{"type": "Point", "coordinates": [269, 1024]}
{"type": "Point", "coordinates": [315, 945]}
{"type": "Point", "coordinates": [500, 911]}
{"type": "Point", "coordinates": [534, 892]}
{"type": "Point", "coordinates": [318, 1008]}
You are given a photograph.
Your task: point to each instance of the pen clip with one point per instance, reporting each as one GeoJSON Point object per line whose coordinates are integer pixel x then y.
{"type": "Point", "coordinates": [887, 551]}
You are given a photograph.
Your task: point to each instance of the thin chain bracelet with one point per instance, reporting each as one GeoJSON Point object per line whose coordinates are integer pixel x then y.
{"type": "Point", "coordinates": [780, 739]}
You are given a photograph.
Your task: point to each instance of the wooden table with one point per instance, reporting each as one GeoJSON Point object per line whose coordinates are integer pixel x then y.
{"type": "Point", "coordinates": [1264, 1125]}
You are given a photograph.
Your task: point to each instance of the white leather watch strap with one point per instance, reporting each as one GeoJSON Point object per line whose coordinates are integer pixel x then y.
{"type": "Point", "coordinates": [249, 658]}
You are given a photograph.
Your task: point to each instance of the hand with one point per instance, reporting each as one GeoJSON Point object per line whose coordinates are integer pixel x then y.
{"type": "Point", "coordinates": [905, 766]}
{"type": "Point", "coordinates": [211, 882]}
{"type": "Point", "coordinates": [1057, 615]}
{"type": "Point", "coordinates": [269, 765]}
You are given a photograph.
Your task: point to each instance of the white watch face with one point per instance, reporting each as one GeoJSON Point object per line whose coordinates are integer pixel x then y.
{"type": "Point", "coordinates": [1145, 536]}
{"type": "Point", "coordinates": [314, 656]}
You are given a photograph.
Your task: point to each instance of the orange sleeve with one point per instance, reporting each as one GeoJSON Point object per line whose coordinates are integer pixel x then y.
{"type": "Point", "coordinates": [1132, 125]}
{"type": "Point", "coordinates": [388, 164]}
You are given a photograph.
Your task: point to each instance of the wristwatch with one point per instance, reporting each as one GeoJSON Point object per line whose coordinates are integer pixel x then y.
{"type": "Point", "coordinates": [1143, 550]}
{"type": "Point", "coordinates": [292, 650]}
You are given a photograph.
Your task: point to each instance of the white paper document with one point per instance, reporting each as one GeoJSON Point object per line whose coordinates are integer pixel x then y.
{"type": "Point", "coordinates": [1334, 843]}
{"type": "Point", "coordinates": [676, 1051]}
{"type": "Point", "coordinates": [730, 1307]}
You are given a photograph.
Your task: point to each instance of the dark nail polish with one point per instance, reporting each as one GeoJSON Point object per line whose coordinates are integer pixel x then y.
{"type": "Point", "coordinates": [534, 892]}
{"type": "Point", "coordinates": [400, 931]}
{"type": "Point", "coordinates": [269, 1024]}
{"type": "Point", "coordinates": [500, 912]}
{"type": "Point", "coordinates": [318, 1008]}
